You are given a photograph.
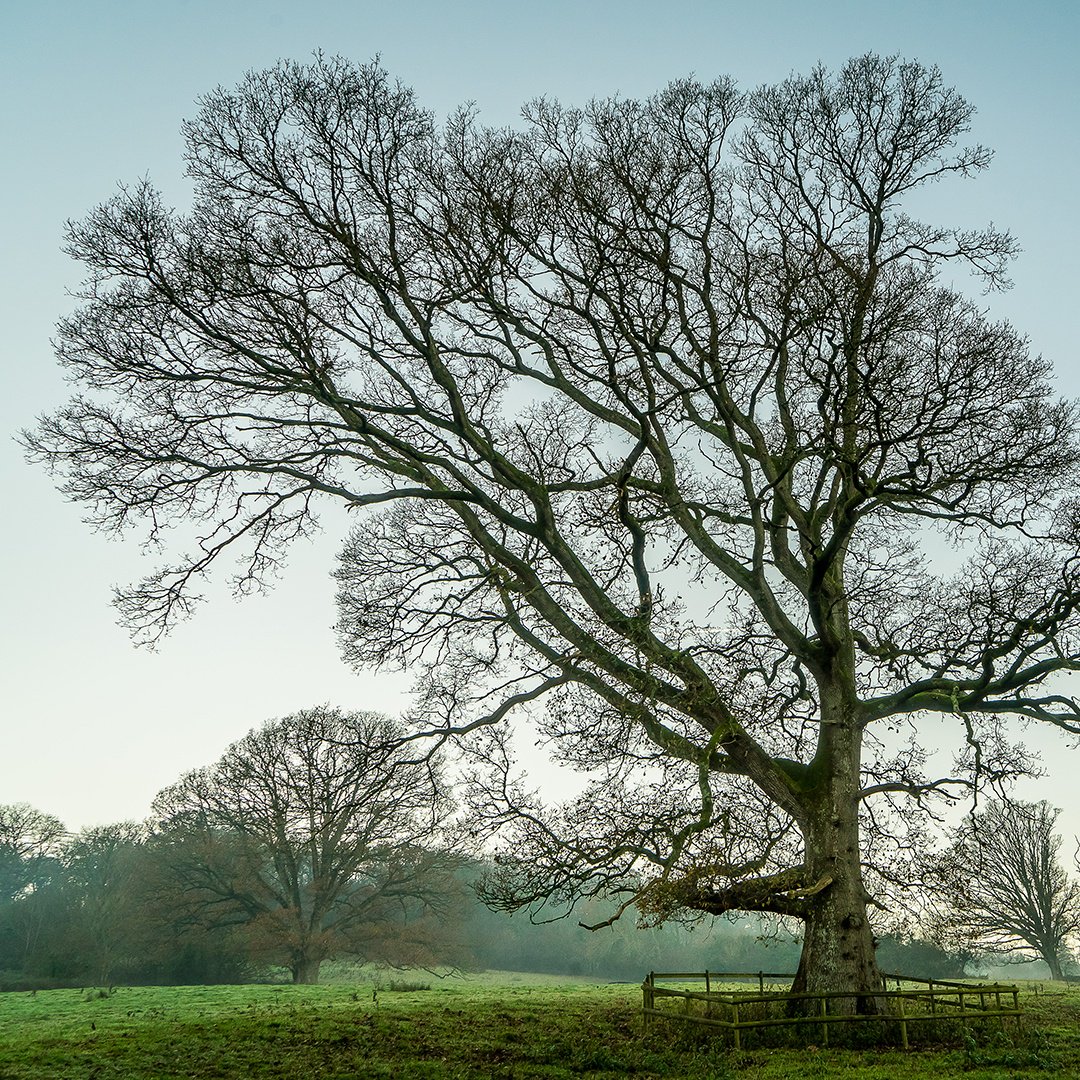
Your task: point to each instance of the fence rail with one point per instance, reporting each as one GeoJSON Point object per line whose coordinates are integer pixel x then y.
{"type": "Point", "coordinates": [946, 1000]}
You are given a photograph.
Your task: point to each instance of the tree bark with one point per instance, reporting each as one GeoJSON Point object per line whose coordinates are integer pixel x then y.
{"type": "Point", "coordinates": [1053, 961]}
{"type": "Point", "coordinates": [305, 970]}
{"type": "Point", "coordinates": [838, 943]}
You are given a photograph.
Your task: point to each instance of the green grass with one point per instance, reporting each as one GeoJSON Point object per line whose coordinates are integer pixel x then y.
{"type": "Point", "coordinates": [481, 1027]}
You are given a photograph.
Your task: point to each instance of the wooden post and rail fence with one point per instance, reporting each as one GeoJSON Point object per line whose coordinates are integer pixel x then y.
{"type": "Point", "coordinates": [919, 1001]}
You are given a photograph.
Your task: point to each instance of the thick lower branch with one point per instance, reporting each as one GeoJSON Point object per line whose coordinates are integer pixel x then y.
{"type": "Point", "coordinates": [786, 892]}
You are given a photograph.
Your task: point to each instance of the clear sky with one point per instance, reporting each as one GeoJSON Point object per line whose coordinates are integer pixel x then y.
{"type": "Point", "coordinates": [92, 93]}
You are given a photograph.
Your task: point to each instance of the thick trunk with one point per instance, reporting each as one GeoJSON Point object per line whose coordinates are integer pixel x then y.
{"type": "Point", "coordinates": [305, 970]}
{"type": "Point", "coordinates": [1053, 961]}
{"type": "Point", "coordinates": [838, 944]}
{"type": "Point", "coordinates": [826, 892]}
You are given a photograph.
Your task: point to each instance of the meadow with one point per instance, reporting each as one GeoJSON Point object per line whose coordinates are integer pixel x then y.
{"type": "Point", "coordinates": [491, 1026]}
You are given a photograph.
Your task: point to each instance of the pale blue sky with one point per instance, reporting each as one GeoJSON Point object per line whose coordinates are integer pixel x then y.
{"type": "Point", "coordinates": [92, 93]}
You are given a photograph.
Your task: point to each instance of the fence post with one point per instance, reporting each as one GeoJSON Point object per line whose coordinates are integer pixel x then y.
{"type": "Point", "coordinates": [761, 982]}
{"type": "Point", "coordinates": [824, 1021]}
{"type": "Point", "coordinates": [735, 1024]}
{"type": "Point", "coordinates": [933, 996]}
{"type": "Point", "coordinates": [648, 998]}
{"type": "Point", "coordinates": [903, 1022]}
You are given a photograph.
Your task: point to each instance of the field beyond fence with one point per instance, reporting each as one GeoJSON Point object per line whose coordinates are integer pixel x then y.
{"type": "Point", "coordinates": [492, 1026]}
{"type": "Point", "coordinates": [914, 1004]}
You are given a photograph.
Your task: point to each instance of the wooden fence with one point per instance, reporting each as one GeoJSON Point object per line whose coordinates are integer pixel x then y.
{"type": "Point", "coordinates": [914, 1001]}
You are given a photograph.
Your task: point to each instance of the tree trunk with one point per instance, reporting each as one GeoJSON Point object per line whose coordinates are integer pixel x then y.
{"type": "Point", "coordinates": [838, 944]}
{"type": "Point", "coordinates": [1053, 961]}
{"type": "Point", "coordinates": [305, 970]}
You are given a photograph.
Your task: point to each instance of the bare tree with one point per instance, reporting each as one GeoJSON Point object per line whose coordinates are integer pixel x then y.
{"type": "Point", "coordinates": [30, 845]}
{"type": "Point", "coordinates": [104, 891]}
{"type": "Point", "coordinates": [30, 842]}
{"type": "Point", "coordinates": [668, 409]}
{"type": "Point", "coordinates": [1005, 890]}
{"type": "Point", "coordinates": [313, 832]}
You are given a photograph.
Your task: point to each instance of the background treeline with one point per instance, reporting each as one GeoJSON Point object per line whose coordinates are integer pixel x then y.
{"type": "Point", "coordinates": [89, 909]}
{"type": "Point", "coordinates": [325, 836]}
{"type": "Point", "coordinates": [103, 906]}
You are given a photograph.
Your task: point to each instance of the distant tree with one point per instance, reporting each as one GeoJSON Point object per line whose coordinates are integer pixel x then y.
{"type": "Point", "coordinates": [105, 889]}
{"type": "Point", "coordinates": [93, 907]}
{"type": "Point", "coordinates": [316, 833]}
{"type": "Point", "coordinates": [1004, 888]}
{"type": "Point", "coordinates": [665, 407]}
{"type": "Point", "coordinates": [926, 959]}
{"type": "Point", "coordinates": [29, 844]}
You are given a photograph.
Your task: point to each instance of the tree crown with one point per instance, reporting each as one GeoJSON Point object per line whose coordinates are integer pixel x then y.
{"type": "Point", "coordinates": [663, 403]}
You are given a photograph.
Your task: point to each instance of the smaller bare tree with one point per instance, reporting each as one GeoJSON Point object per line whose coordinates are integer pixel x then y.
{"type": "Point", "coordinates": [102, 879]}
{"type": "Point", "coordinates": [1003, 887]}
{"type": "Point", "coordinates": [30, 845]}
{"type": "Point", "coordinates": [30, 841]}
{"type": "Point", "coordinates": [313, 833]}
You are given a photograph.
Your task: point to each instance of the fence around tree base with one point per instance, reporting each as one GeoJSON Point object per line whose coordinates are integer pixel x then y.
{"type": "Point", "coordinates": [941, 1000]}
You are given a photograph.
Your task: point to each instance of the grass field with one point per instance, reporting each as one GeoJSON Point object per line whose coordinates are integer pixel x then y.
{"type": "Point", "coordinates": [484, 1027]}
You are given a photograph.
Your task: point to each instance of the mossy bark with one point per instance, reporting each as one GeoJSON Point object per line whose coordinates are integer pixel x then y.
{"type": "Point", "coordinates": [838, 952]}
{"type": "Point", "coordinates": [305, 970]}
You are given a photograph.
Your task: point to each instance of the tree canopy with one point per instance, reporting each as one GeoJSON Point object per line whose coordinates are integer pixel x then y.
{"type": "Point", "coordinates": [660, 411]}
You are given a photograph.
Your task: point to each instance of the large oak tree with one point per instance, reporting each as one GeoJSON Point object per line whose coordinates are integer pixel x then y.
{"type": "Point", "coordinates": [664, 407]}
